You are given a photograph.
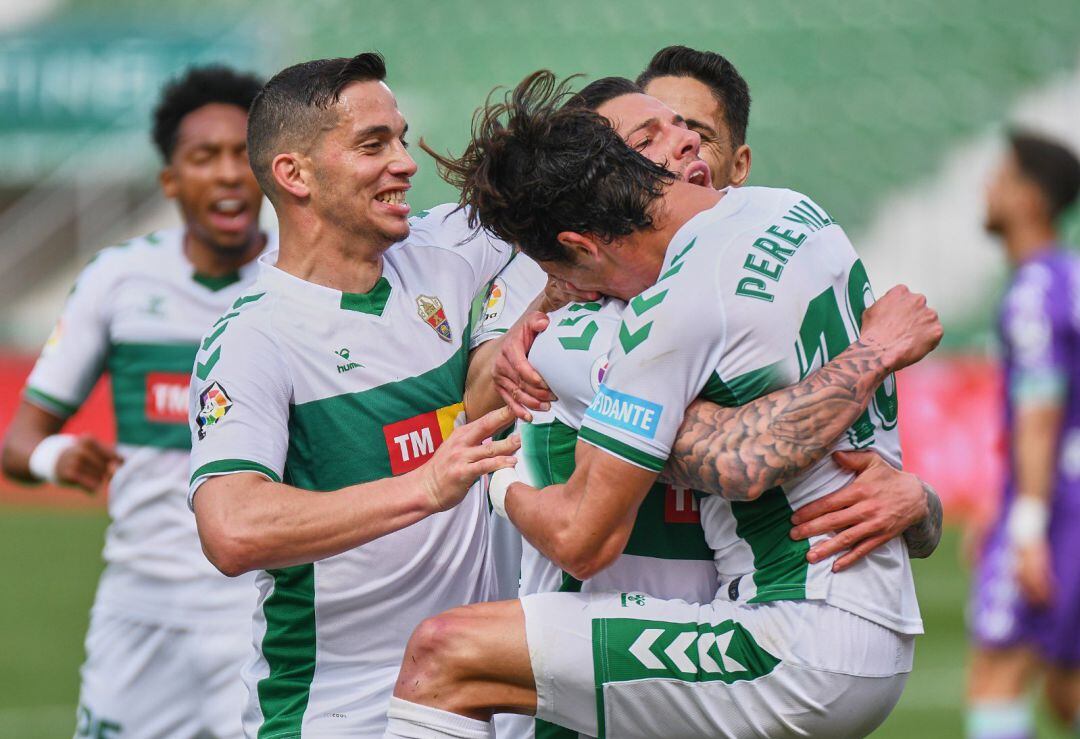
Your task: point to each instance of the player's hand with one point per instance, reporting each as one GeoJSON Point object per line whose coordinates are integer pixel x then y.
{"type": "Point", "coordinates": [87, 464]}
{"type": "Point", "coordinates": [558, 293]}
{"type": "Point", "coordinates": [1033, 573]}
{"type": "Point", "coordinates": [903, 325]}
{"type": "Point", "coordinates": [519, 385]}
{"type": "Point", "coordinates": [468, 454]}
{"type": "Point", "coordinates": [878, 505]}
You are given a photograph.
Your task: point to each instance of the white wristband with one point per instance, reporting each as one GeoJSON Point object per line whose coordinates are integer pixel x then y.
{"type": "Point", "coordinates": [501, 480]}
{"type": "Point", "coordinates": [47, 453]}
{"type": "Point", "coordinates": [1028, 519]}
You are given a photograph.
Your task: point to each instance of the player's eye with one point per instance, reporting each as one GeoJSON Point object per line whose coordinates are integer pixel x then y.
{"type": "Point", "coordinates": [404, 143]}
{"type": "Point", "coordinates": [642, 145]}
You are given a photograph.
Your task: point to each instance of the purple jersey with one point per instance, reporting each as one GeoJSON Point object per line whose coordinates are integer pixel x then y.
{"type": "Point", "coordinates": [1039, 327]}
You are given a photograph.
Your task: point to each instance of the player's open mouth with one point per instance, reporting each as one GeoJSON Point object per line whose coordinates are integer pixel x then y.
{"type": "Point", "coordinates": [230, 214]}
{"type": "Point", "coordinates": [698, 173]}
{"type": "Point", "coordinates": [394, 201]}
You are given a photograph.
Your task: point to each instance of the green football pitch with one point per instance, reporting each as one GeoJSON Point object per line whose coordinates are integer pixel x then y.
{"type": "Point", "coordinates": [52, 562]}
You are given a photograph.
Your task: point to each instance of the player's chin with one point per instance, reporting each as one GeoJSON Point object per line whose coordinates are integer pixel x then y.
{"type": "Point", "coordinates": [394, 229]}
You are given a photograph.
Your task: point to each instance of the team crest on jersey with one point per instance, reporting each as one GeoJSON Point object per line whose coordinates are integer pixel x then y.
{"type": "Point", "coordinates": [596, 374]}
{"type": "Point", "coordinates": [431, 310]}
{"type": "Point", "coordinates": [214, 403]}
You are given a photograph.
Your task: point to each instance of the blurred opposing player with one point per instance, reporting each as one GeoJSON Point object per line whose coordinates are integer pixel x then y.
{"type": "Point", "coordinates": [328, 445]}
{"type": "Point", "coordinates": [168, 633]}
{"type": "Point", "coordinates": [1025, 615]}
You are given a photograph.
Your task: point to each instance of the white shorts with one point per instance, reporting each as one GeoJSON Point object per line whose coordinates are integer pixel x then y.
{"type": "Point", "coordinates": [145, 680]}
{"type": "Point", "coordinates": [628, 665]}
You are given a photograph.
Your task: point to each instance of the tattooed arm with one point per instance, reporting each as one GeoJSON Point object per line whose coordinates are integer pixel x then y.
{"type": "Point", "coordinates": [742, 452]}
{"type": "Point", "coordinates": [923, 538]}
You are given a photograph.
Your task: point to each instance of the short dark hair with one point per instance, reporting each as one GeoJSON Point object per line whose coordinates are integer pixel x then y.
{"type": "Point", "coordinates": [536, 167]}
{"type": "Point", "coordinates": [600, 91]}
{"type": "Point", "coordinates": [715, 72]}
{"type": "Point", "coordinates": [293, 105]}
{"type": "Point", "coordinates": [196, 87]}
{"type": "Point", "coordinates": [1051, 166]}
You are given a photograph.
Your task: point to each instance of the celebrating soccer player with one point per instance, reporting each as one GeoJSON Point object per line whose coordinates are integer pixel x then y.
{"type": "Point", "coordinates": [168, 633]}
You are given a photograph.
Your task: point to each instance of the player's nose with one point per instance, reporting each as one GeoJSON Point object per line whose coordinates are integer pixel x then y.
{"type": "Point", "coordinates": [403, 165]}
{"type": "Point", "coordinates": [687, 143]}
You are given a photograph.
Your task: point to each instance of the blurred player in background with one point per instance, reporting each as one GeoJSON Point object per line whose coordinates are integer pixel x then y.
{"type": "Point", "coordinates": [1025, 615]}
{"type": "Point", "coordinates": [168, 633]}
{"type": "Point", "coordinates": [327, 409]}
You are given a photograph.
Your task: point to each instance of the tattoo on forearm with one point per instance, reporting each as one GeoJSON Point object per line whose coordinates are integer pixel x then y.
{"type": "Point", "coordinates": [741, 452]}
{"type": "Point", "coordinates": [923, 538]}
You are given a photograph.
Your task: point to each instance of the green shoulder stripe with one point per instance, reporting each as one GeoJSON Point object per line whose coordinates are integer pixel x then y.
{"type": "Point", "coordinates": [623, 450]}
{"type": "Point", "coordinates": [223, 466]}
{"type": "Point", "coordinates": [49, 403]}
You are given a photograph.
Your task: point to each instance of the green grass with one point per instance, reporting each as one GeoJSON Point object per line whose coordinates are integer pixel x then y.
{"type": "Point", "coordinates": [52, 559]}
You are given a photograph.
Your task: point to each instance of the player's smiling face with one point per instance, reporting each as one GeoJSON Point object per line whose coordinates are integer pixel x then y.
{"type": "Point", "coordinates": [659, 133]}
{"type": "Point", "coordinates": [362, 166]}
{"type": "Point", "coordinates": [210, 178]}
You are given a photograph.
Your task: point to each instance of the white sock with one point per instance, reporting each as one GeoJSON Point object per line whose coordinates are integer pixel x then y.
{"type": "Point", "coordinates": [1000, 720]}
{"type": "Point", "coordinates": [407, 720]}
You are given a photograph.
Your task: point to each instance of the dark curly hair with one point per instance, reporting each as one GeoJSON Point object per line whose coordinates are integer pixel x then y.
{"type": "Point", "coordinates": [1051, 166]}
{"type": "Point", "coordinates": [536, 167]}
{"type": "Point", "coordinates": [199, 86]}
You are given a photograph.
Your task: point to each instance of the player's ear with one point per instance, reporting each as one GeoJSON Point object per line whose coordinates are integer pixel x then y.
{"type": "Point", "coordinates": [582, 246]}
{"type": "Point", "coordinates": [170, 188]}
{"type": "Point", "coordinates": [290, 175]}
{"type": "Point", "coordinates": [740, 166]}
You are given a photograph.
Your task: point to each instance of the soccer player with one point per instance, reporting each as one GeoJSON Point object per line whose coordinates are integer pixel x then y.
{"type": "Point", "coordinates": [628, 664]}
{"type": "Point", "coordinates": [167, 632]}
{"type": "Point", "coordinates": [323, 404]}
{"type": "Point", "coordinates": [1025, 615]}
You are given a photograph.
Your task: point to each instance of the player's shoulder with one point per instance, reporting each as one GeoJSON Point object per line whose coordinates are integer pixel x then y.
{"type": "Point", "coordinates": [142, 254]}
{"type": "Point", "coordinates": [249, 320]}
{"type": "Point", "coordinates": [444, 229]}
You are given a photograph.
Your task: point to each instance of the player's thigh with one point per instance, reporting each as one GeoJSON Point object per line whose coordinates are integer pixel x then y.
{"type": "Point", "coordinates": [1000, 673]}
{"type": "Point", "coordinates": [629, 665]}
{"type": "Point", "coordinates": [135, 682]}
{"type": "Point", "coordinates": [219, 653]}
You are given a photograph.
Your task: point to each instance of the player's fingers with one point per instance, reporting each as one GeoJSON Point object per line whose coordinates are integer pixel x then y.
{"type": "Point", "coordinates": [491, 464]}
{"type": "Point", "coordinates": [854, 461]}
{"type": "Point", "coordinates": [844, 540]}
{"type": "Point", "coordinates": [509, 396]}
{"type": "Point", "coordinates": [833, 521]}
{"type": "Point", "coordinates": [861, 550]}
{"type": "Point", "coordinates": [842, 498]}
{"type": "Point", "coordinates": [107, 452]}
{"type": "Point", "coordinates": [487, 425]}
{"type": "Point", "coordinates": [500, 448]}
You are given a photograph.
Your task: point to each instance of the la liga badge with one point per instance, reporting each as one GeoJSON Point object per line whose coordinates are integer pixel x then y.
{"type": "Point", "coordinates": [214, 403]}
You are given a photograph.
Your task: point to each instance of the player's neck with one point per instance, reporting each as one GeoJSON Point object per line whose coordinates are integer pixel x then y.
{"type": "Point", "coordinates": [319, 253]}
{"type": "Point", "coordinates": [213, 261]}
{"type": "Point", "coordinates": [681, 202]}
{"type": "Point", "coordinates": [1024, 240]}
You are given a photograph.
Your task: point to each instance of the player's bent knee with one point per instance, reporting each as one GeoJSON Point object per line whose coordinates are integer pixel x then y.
{"type": "Point", "coordinates": [440, 652]}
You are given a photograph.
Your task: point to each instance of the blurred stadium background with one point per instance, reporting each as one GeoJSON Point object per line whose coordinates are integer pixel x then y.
{"type": "Point", "coordinates": [889, 113]}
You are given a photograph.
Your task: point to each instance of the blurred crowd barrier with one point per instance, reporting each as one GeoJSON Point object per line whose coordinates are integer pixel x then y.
{"type": "Point", "coordinates": [950, 428]}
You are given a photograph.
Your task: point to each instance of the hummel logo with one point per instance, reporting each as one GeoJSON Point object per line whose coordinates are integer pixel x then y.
{"type": "Point", "coordinates": [636, 598]}
{"type": "Point", "coordinates": [344, 354]}
{"type": "Point", "coordinates": [156, 306]}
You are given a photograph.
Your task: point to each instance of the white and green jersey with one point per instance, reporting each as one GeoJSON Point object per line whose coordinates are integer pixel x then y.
{"type": "Point", "coordinates": [137, 312]}
{"type": "Point", "coordinates": [322, 389]}
{"type": "Point", "coordinates": [667, 555]}
{"type": "Point", "coordinates": [509, 295]}
{"type": "Point", "coordinates": [754, 294]}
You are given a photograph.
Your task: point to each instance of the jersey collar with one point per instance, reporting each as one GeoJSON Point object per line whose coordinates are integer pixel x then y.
{"type": "Point", "coordinates": [373, 302]}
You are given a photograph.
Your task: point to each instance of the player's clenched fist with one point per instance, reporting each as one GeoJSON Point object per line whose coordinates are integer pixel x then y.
{"type": "Point", "coordinates": [87, 463]}
{"type": "Point", "coordinates": [465, 456]}
{"type": "Point", "coordinates": [904, 325]}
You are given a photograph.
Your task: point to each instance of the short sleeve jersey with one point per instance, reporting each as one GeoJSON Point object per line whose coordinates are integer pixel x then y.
{"type": "Point", "coordinates": [509, 295]}
{"type": "Point", "coordinates": [667, 555]}
{"type": "Point", "coordinates": [137, 312]}
{"type": "Point", "coordinates": [753, 295]}
{"type": "Point", "coordinates": [1039, 329]}
{"type": "Point", "coordinates": [322, 389]}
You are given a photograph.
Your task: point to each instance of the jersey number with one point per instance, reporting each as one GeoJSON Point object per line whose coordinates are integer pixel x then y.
{"type": "Point", "coordinates": [826, 331]}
